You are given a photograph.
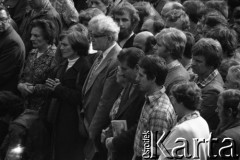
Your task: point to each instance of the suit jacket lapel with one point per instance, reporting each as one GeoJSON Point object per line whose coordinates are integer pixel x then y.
{"type": "Point", "coordinates": [124, 106]}
{"type": "Point", "coordinates": [103, 64]}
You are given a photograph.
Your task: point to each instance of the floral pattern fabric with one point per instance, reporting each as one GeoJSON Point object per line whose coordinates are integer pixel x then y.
{"type": "Point", "coordinates": [36, 71]}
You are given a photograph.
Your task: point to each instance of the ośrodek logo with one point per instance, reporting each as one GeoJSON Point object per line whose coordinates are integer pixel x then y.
{"type": "Point", "coordinates": [182, 147]}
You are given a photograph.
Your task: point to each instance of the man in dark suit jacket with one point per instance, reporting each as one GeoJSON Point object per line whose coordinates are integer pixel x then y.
{"type": "Point", "coordinates": [170, 46]}
{"type": "Point", "coordinates": [12, 53]}
{"type": "Point", "coordinates": [127, 18]}
{"type": "Point", "coordinates": [100, 89]}
{"type": "Point", "coordinates": [206, 59]}
{"type": "Point", "coordinates": [129, 107]}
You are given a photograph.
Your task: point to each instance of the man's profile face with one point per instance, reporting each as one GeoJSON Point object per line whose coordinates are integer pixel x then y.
{"type": "Point", "coordinates": [4, 21]}
{"type": "Point", "coordinates": [142, 80]}
{"type": "Point", "coordinates": [160, 49]}
{"type": "Point", "coordinates": [125, 24]}
{"type": "Point", "coordinates": [99, 41]}
{"type": "Point", "coordinates": [199, 65]}
{"type": "Point", "coordinates": [127, 72]}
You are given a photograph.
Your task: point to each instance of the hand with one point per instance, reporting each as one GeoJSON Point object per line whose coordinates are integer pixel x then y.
{"type": "Point", "coordinates": [52, 84]}
{"type": "Point", "coordinates": [103, 135]}
{"type": "Point", "coordinates": [109, 144]}
{"type": "Point", "coordinates": [25, 88]}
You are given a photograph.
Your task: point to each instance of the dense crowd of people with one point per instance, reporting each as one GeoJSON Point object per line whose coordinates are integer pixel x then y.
{"type": "Point", "coordinates": [119, 79]}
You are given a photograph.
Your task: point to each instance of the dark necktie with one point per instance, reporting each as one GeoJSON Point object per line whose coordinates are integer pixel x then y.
{"type": "Point", "coordinates": [95, 65]}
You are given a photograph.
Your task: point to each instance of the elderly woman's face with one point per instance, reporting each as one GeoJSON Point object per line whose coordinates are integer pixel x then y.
{"type": "Point", "coordinates": [66, 49]}
{"type": "Point", "coordinates": [37, 38]}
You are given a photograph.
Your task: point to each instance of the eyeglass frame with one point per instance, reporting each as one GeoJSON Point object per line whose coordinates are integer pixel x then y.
{"type": "Point", "coordinates": [94, 36]}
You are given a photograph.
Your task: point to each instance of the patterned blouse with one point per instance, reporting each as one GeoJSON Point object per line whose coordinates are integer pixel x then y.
{"type": "Point", "coordinates": [36, 71]}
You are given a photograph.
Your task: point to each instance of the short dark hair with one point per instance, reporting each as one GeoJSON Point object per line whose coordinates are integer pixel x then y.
{"type": "Point", "coordinates": [10, 104]}
{"type": "Point", "coordinates": [47, 27]}
{"type": "Point", "coordinates": [154, 67]}
{"type": "Point", "coordinates": [193, 8]}
{"type": "Point", "coordinates": [187, 93]}
{"type": "Point", "coordinates": [210, 49]}
{"type": "Point", "coordinates": [219, 5]}
{"type": "Point", "coordinates": [126, 6]}
{"type": "Point", "coordinates": [130, 55]}
{"type": "Point", "coordinates": [78, 41]}
{"type": "Point", "coordinates": [231, 99]}
{"type": "Point", "coordinates": [214, 18]}
{"type": "Point", "coordinates": [227, 38]}
{"type": "Point", "coordinates": [190, 42]}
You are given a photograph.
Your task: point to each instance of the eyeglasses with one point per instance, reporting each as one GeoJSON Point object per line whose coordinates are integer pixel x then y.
{"type": "Point", "coordinates": [95, 36]}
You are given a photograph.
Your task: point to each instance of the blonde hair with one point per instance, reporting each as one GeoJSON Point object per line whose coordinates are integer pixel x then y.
{"type": "Point", "coordinates": [174, 40]}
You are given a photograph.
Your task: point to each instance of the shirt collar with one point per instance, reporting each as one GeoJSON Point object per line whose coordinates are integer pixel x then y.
{"type": "Point", "coordinates": [207, 80]}
{"type": "Point", "coordinates": [151, 98]}
{"type": "Point", "coordinates": [173, 64]}
{"type": "Point", "coordinates": [122, 42]}
{"type": "Point", "coordinates": [105, 53]}
{"type": "Point", "coordinates": [189, 116]}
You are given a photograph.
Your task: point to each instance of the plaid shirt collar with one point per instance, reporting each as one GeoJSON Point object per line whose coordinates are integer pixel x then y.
{"type": "Point", "coordinates": [155, 96]}
{"type": "Point", "coordinates": [189, 116]}
{"type": "Point", "coordinates": [207, 80]}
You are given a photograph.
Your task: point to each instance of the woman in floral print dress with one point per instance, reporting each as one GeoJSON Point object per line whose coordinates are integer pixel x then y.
{"type": "Point", "coordinates": [38, 65]}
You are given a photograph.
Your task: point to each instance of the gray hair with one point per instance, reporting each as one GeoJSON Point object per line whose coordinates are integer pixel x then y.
{"type": "Point", "coordinates": [104, 25]}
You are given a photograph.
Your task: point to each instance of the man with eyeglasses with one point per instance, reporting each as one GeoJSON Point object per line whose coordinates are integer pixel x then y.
{"type": "Point", "coordinates": [101, 88]}
{"type": "Point", "coordinates": [12, 53]}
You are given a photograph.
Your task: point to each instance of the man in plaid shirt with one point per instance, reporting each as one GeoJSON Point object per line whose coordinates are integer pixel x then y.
{"type": "Point", "coordinates": [157, 115]}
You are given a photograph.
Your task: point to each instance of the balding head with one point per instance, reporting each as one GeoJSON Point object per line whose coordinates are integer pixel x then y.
{"type": "Point", "coordinates": [142, 41]}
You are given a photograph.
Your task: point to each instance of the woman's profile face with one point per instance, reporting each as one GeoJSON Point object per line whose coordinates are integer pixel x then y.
{"type": "Point", "coordinates": [66, 49]}
{"type": "Point", "coordinates": [37, 38]}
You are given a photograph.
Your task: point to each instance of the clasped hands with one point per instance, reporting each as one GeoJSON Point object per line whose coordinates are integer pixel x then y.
{"type": "Point", "coordinates": [25, 88]}
{"type": "Point", "coordinates": [52, 84]}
